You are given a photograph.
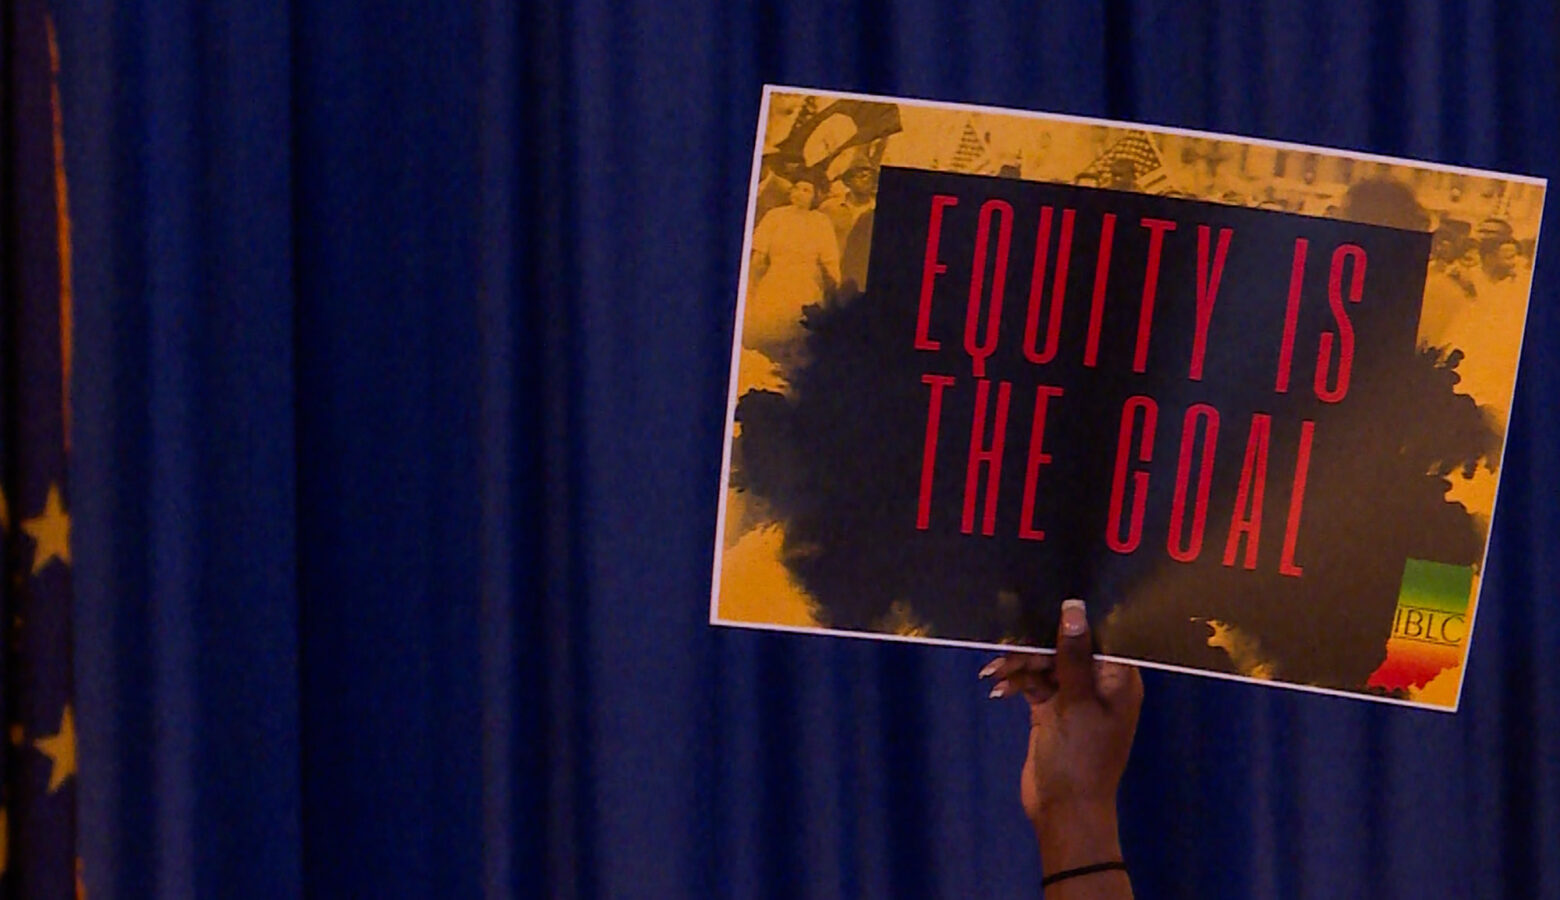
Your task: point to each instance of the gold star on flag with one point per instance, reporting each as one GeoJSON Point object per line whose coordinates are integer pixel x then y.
{"type": "Point", "coordinates": [61, 750]}
{"type": "Point", "coordinates": [50, 532]}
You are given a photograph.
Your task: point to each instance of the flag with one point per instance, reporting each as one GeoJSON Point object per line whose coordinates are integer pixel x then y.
{"type": "Point", "coordinates": [38, 795]}
{"type": "Point", "coordinates": [1131, 164]}
{"type": "Point", "coordinates": [817, 144]}
{"type": "Point", "coordinates": [973, 154]}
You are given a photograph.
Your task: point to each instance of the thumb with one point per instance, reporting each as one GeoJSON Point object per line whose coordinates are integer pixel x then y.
{"type": "Point", "coordinates": [1074, 653]}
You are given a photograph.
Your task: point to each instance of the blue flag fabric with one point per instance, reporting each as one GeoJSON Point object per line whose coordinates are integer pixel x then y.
{"type": "Point", "coordinates": [38, 805]}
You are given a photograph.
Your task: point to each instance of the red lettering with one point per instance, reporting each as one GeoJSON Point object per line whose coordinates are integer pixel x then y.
{"type": "Point", "coordinates": [1207, 292]}
{"type": "Point", "coordinates": [1156, 241]}
{"type": "Point", "coordinates": [980, 350]}
{"type": "Point", "coordinates": [1286, 349]}
{"type": "Point", "coordinates": [1253, 480]}
{"type": "Point", "coordinates": [990, 456]}
{"type": "Point", "coordinates": [1053, 328]}
{"type": "Point", "coordinates": [1118, 484]}
{"type": "Point", "coordinates": [1286, 563]}
{"type": "Point", "coordinates": [923, 510]}
{"type": "Point", "coordinates": [1091, 348]}
{"type": "Point", "coordinates": [929, 272]}
{"type": "Point", "coordinates": [1188, 549]}
{"type": "Point", "coordinates": [1344, 253]}
{"type": "Point", "coordinates": [1037, 458]}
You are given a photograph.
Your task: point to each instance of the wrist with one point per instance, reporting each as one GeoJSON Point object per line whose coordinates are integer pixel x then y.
{"type": "Point", "coordinates": [1077, 833]}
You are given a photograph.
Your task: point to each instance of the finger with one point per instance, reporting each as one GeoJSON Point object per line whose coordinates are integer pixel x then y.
{"type": "Point", "coordinates": [1037, 687]}
{"type": "Point", "coordinates": [1034, 662]}
{"type": "Point", "coordinates": [1003, 666]}
{"type": "Point", "coordinates": [1030, 674]}
{"type": "Point", "coordinates": [1074, 653]}
{"type": "Point", "coordinates": [1120, 689]}
{"type": "Point", "coordinates": [1034, 688]}
{"type": "Point", "coordinates": [1008, 688]}
{"type": "Point", "coordinates": [1115, 682]}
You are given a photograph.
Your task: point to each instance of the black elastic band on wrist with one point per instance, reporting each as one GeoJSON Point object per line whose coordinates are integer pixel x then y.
{"type": "Point", "coordinates": [1114, 865]}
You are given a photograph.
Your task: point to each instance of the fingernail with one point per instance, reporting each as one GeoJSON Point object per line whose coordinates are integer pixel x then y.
{"type": "Point", "coordinates": [1000, 691]}
{"type": "Point", "coordinates": [990, 669]}
{"type": "Point", "coordinates": [1075, 618]}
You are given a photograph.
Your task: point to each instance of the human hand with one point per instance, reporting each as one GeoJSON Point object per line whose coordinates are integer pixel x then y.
{"type": "Point", "coordinates": [1082, 717]}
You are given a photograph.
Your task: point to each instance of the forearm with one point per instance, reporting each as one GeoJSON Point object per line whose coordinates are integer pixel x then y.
{"type": "Point", "coordinates": [1082, 835]}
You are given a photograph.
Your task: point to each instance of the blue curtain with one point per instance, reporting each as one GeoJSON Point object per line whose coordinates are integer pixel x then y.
{"type": "Point", "coordinates": [402, 340]}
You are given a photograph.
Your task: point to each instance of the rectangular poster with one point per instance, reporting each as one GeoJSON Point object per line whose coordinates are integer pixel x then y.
{"type": "Point", "coordinates": [1246, 398]}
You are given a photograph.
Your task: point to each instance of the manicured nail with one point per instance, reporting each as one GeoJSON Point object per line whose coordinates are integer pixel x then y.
{"type": "Point", "coordinates": [991, 668]}
{"type": "Point", "coordinates": [1075, 618]}
{"type": "Point", "coordinates": [1000, 691]}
